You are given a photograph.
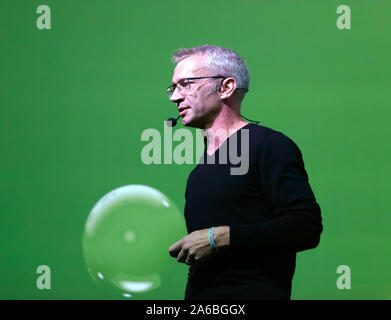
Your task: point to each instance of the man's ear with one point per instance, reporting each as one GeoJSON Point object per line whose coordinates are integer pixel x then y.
{"type": "Point", "coordinates": [227, 88]}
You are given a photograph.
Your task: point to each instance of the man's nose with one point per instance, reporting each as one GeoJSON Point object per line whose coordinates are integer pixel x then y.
{"type": "Point", "coordinates": [176, 96]}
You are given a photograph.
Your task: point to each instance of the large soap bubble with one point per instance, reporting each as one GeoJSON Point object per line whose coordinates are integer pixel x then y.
{"type": "Point", "coordinates": [126, 240]}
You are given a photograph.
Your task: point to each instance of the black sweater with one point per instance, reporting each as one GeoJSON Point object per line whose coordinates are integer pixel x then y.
{"type": "Point", "coordinates": [271, 211]}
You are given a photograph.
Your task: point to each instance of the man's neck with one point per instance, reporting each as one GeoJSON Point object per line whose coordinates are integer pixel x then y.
{"type": "Point", "coordinates": [220, 131]}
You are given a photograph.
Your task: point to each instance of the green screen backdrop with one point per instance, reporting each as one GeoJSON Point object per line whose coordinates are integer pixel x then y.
{"type": "Point", "coordinates": [75, 99]}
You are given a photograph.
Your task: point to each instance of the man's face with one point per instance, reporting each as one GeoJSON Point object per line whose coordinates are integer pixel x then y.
{"type": "Point", "coordinates": [199, 106]}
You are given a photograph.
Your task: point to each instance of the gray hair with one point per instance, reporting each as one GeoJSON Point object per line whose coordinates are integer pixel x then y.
{"type": "Point", "coordinates": [220, 61]}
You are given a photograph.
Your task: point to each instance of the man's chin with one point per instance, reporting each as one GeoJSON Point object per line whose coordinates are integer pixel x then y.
{"type": "Point", "coordinates": [186, 122]}
{"type": "Point", "coordinates": [189, 124]}
{"type": "Point", "coordinates": [193, 123]}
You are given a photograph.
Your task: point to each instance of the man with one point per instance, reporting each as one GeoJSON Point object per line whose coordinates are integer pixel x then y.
{"type": "Point", "coordinates": [244, 230]}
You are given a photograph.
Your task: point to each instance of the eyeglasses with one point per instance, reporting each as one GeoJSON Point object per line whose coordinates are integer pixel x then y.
{"type": "Point", "coordinates": [184, 85]}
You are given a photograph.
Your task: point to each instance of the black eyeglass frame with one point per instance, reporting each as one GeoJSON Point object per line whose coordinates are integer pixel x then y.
{"type": "Point", "coordinates": [171, 89]}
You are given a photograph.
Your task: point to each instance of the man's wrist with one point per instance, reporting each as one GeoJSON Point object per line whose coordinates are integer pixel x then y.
{"type": "Point", "coordinates": [221, 237]}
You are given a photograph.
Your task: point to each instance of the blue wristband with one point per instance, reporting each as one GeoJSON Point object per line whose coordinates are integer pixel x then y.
{"type": "Point", "coordinates": [211, 241]}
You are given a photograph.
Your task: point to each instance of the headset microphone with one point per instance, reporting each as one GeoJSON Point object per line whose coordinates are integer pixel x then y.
{"type": "Point", "coordinates": [172, 122]}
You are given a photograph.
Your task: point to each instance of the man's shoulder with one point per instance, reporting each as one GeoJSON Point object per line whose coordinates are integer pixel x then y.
{"type": "Point", "coordinates": [261, 135]}
{"type": "Point", "coordinates": [260, 131]}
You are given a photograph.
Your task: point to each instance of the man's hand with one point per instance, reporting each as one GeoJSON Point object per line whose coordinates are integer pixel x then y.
{"type": "Point", "coordinates": [195, 247]}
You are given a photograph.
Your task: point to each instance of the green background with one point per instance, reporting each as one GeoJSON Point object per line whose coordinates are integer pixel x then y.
{"type": "Point", "coordinates": [75, 99]}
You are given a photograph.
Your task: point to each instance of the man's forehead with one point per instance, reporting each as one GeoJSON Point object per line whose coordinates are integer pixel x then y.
{"type": "Point", "coordinates": [189, 67]}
